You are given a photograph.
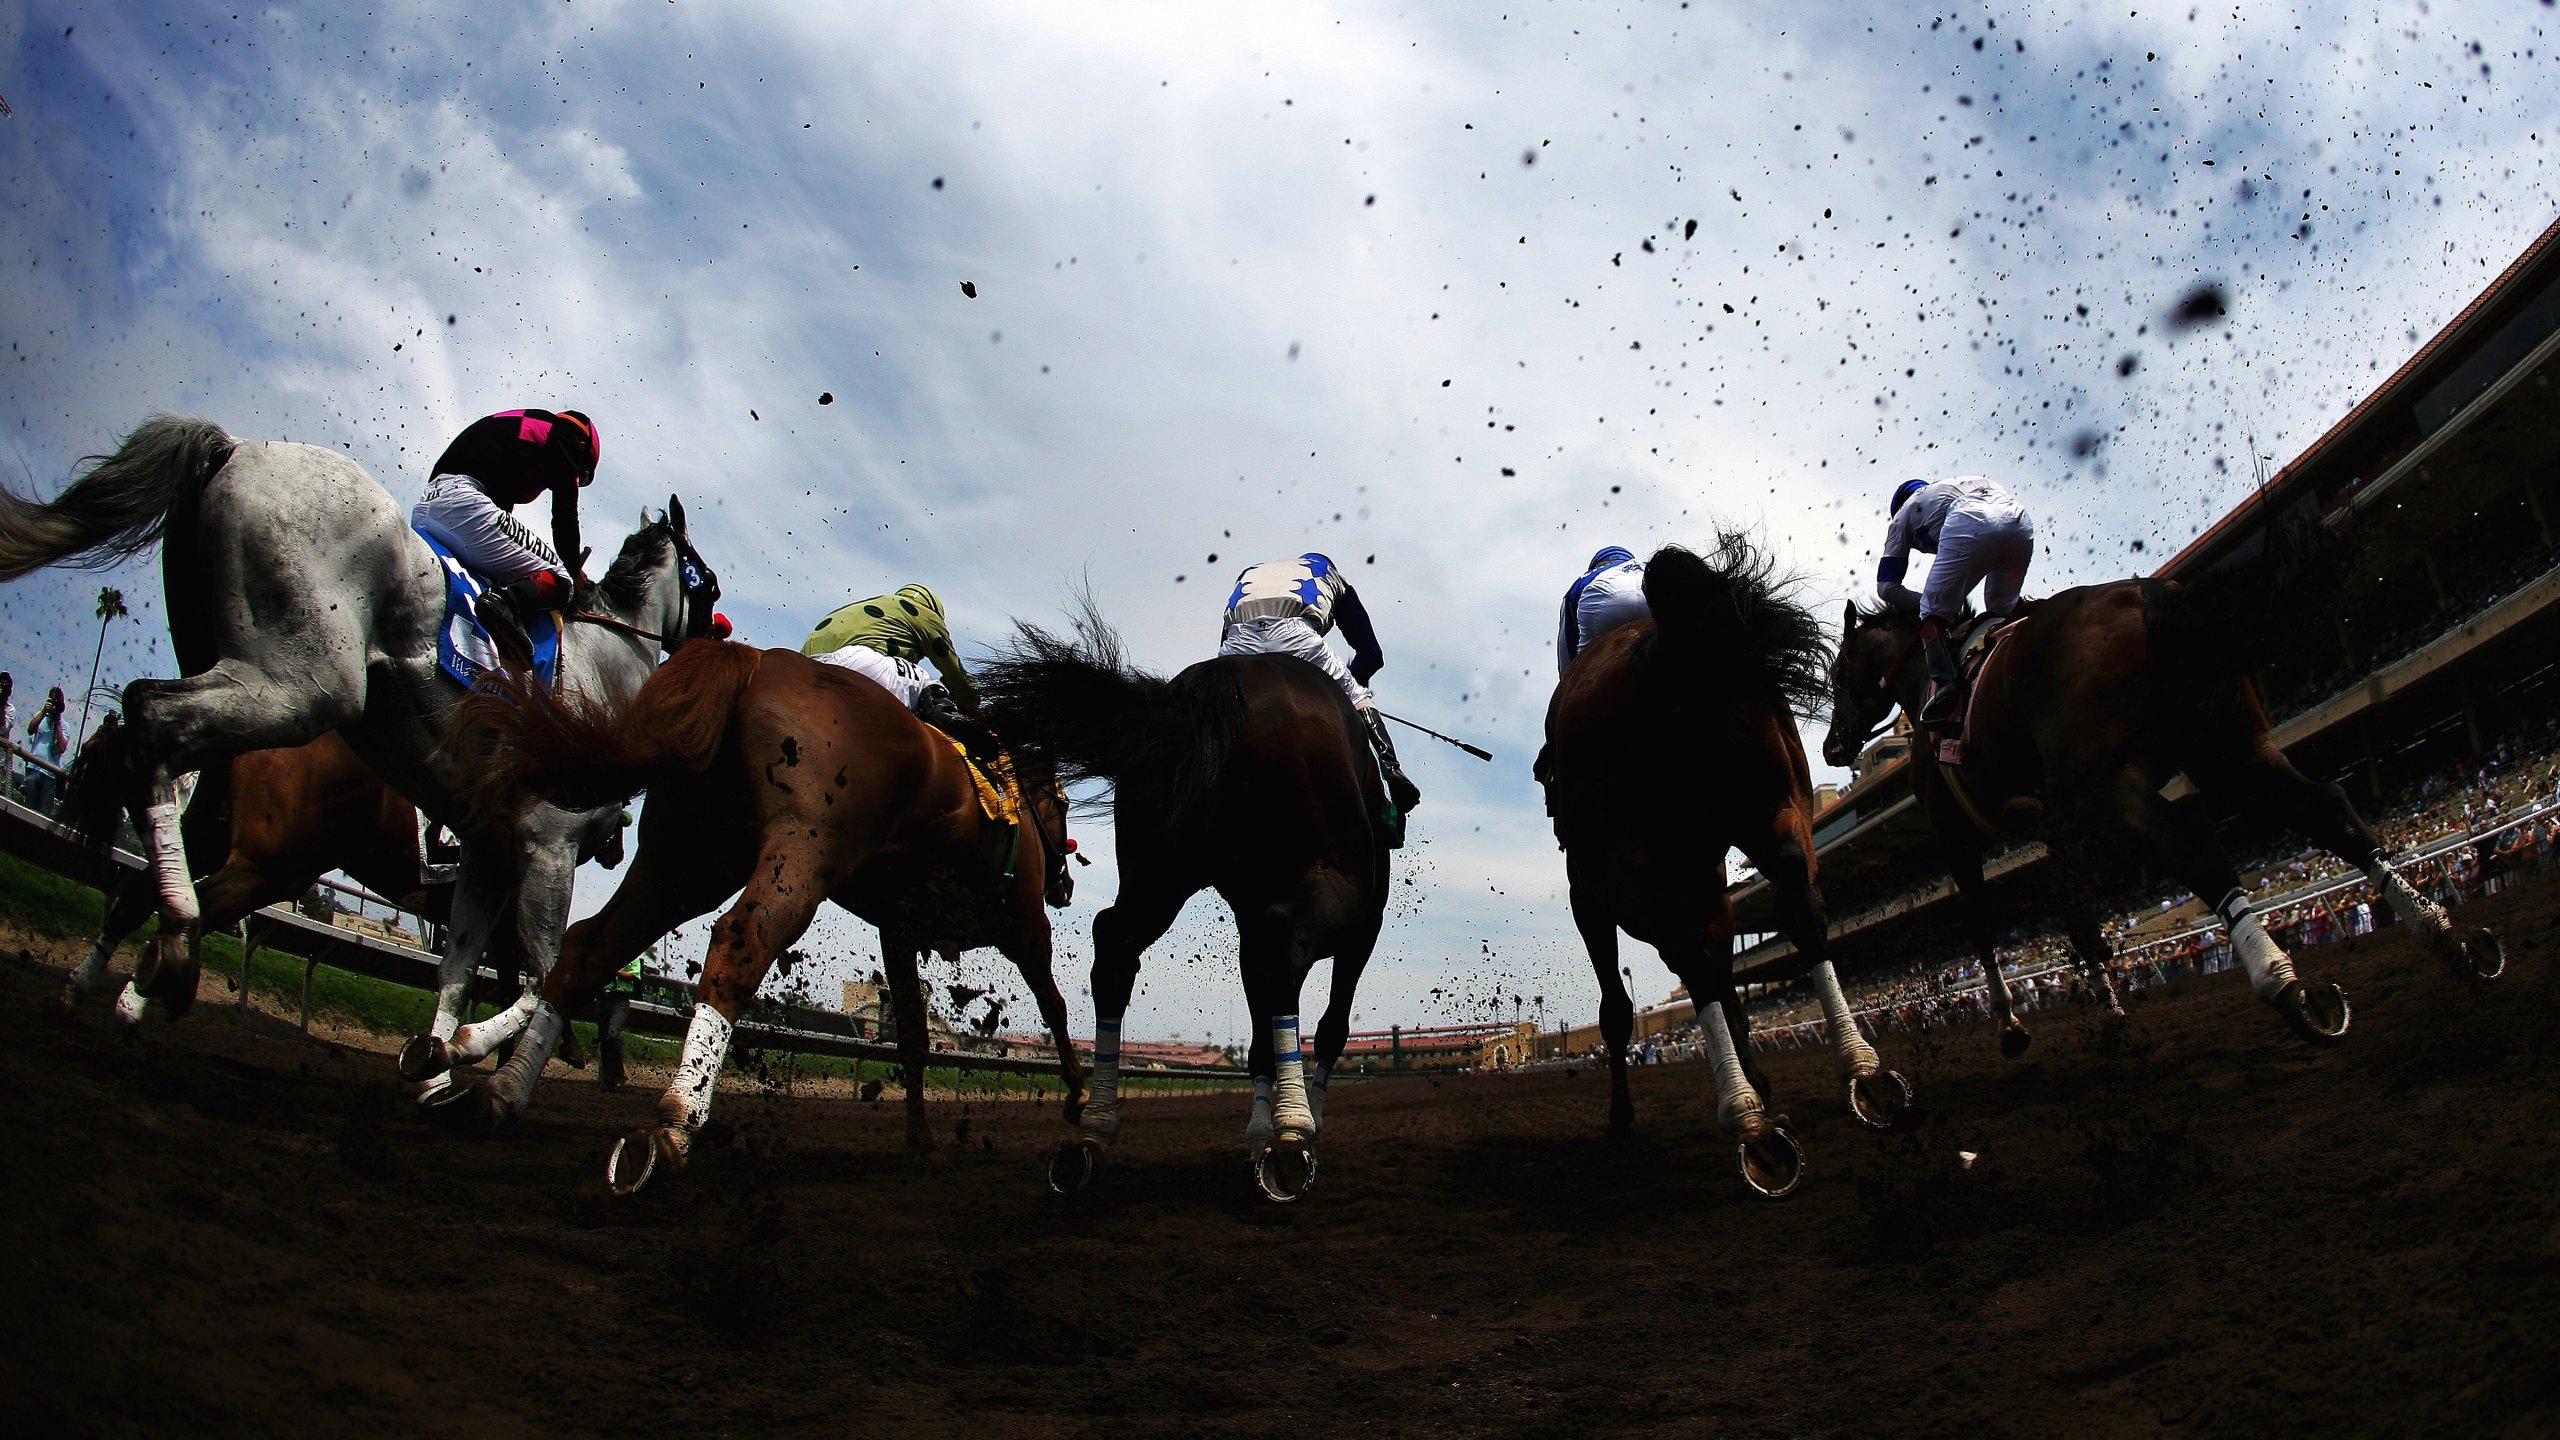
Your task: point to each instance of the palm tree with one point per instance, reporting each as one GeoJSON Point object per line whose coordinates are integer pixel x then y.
{"type": "Point", "coordinates": [110, 605]}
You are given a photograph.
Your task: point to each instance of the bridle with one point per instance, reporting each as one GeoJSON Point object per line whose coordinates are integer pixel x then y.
{"type": "Point", "coordinates": [701, 597]}
{"type": "Point", "coordinates": [1885, 682]}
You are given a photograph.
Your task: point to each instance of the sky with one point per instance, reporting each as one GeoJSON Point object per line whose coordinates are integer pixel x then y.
{"type": "Point", "coordinates": [1011, 299]}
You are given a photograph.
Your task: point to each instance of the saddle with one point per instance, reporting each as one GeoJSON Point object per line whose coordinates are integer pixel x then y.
{"type": "Point", "coordinates": [464, 648]}
{"type": "Point", "coordinates": [1973, 645]}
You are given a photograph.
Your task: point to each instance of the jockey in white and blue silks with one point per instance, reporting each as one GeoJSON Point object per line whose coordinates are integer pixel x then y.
{"type": "Point", "coordinates": [1609, 594]}
{"type": "Point", "coordinates": [1978, 535]}
{"type": "Point", "coordinates": [1284, 607]}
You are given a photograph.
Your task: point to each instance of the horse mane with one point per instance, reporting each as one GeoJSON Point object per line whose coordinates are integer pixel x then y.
{"type": "Point", "coordinates": [1731, 615]}
{"type": "Point", "coordinates": [626, 581]}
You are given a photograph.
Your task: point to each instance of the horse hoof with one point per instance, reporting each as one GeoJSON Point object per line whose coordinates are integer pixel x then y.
{"type": "Point", "coordinates": [1773, 1165]}
{"type": "Point", "coordinates": [630, 1163]}
{"type": "Point", "coordinates": [468, 1110]}
{"type": "Point", "coordinates": [2484, 956]}
{"type": "Point", "coordinates": [1071, 1168]}
{"type": "Point", "coordinates": [1285, 1172]}
{"type": "Point", "coordinates": [2013, 1042]}
{"type": "Point", "coordinates": [169, 980]}
{"type": "Point", "coordinates": [132, 1007]}
{"type": "Point", "coordinates": [1880, 1100]}
{"type": "Point", "coordinates": [2317, 1013]}
{"type": "Point", "coordinates": [424, 1058]}
{"type": "Point", "coordinates": [634, 1159]}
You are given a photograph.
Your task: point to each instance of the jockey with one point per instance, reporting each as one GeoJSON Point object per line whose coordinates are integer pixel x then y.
{"type": "Point", "coordinates": [497, 463]}
{"type": "Point", "coordinates": [1284, 607]}
{"type": "Point", "coordinates": [1979, 536]}
{"type": "Point", "coordinates": [884, 637]}
{"type": "Point", "coordinates": [1609, 594]}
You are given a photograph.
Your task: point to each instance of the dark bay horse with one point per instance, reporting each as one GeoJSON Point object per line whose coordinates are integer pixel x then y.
{"type": "Point", "coordinates": [1246, 774]}
{"type": "Point", "coordinates": [796, 783]}
{"type": "Point", "coordinates": [1671, 741]}
{"type": "Point", "coordinates": [2085, 710]}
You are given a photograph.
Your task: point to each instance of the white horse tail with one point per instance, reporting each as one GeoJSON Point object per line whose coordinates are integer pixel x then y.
{"type": "Point", "coordinates": [122, 505]}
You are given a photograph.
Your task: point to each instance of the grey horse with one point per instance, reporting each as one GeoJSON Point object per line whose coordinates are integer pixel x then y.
{"type": "Point", "coordinates": [301, 601]}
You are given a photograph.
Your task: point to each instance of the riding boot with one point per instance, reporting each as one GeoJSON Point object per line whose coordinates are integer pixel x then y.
{"type": "Point", "coordinates": [935, 707]}
{"type": "Point", "coordinates": [502, 609]}
{"type": "Point", "coordinates": [1944, 711]}
{"type": "Point", "coordinates": [1401, 794]}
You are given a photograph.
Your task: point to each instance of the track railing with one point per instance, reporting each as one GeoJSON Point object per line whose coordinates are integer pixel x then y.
{"type": "Point", "coordinates": [36, 838]}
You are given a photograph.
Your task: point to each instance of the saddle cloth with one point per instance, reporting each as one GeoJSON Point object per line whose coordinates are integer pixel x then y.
{"type": "Point", "coordinates": [999, 794]}
{"type": "Point", "coordinates": [463, 647]}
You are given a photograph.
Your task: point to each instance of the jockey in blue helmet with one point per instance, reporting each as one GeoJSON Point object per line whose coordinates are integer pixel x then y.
{"type": "Point", "coordinates": [1608, 594]}
{"type": "Point", "coordinates": [1284, 607]}
{"type": "Point", "coordinates": [1979, 535]}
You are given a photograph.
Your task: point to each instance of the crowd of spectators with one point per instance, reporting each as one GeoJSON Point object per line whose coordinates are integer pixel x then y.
{"type": "Point", "coordinates": [2507, 805]}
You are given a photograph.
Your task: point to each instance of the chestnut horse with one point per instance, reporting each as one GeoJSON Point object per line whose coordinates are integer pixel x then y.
{"type": "Point", "coordinates": [801, 783]}
{"type": "Point", "coordinates": [1243, 773]}
{"type": "Point", "coordinates": [1671, 741]}
{"type": "Point", "coordinates": [2085, 709]}
{"type": "Point", "coordinates": [282, 819]}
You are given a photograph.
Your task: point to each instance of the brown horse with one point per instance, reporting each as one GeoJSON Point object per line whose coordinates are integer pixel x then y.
{"type": "Point", "coordinates": [2083, 711]}
{"type": "Point", "coordinates": [800, 783]}
{"type": "Point", "coordinates": [282, 819]}
{"type": "Point", "coordinates": [1247, 774]}
{"type": "Point", "coordinates": [1671, 741]}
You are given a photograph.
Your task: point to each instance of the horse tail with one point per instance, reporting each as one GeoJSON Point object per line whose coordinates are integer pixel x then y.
{"type": "Point", "coordinates": [583, 753]}
{"type": "Point", "coordinates": [1731, 618]}
{"type": "Point", "coordinates": [2262, 604]}
{"type": "Point", "coordinates": [122, 505]}
{"type": "Point", "coordinates": [1077, 705]}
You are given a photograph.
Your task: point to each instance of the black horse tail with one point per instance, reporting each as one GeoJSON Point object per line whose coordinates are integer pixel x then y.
{"type": "Point", "coordinates": [1076, 704]}
{"type": "Point", "coordinates": [2262, 604]}
{"type": "Point", "coordinates": [122, 505]}
{"type": "Point", "coordinates": [1732, 620]}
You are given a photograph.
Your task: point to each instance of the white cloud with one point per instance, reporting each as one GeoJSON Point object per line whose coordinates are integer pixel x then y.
{"type": "Point", "coordinates": [680, 217]}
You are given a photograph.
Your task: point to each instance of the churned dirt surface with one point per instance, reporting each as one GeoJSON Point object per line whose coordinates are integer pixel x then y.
{"type": "Point", "coordinates": [2213, 1229]}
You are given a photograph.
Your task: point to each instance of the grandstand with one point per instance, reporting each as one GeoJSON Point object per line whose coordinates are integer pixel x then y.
{"type": "Point", "coordinates": [2444, 637]}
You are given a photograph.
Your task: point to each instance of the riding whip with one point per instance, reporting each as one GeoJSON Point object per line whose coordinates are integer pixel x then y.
{"type": "Point", "coordinates": [1436, 735]}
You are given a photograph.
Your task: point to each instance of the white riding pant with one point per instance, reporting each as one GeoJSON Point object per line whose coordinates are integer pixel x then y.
{"type": "Point", "coordinates": [1613, 598]}
{"type": "Point", "coordinates": [902, 678]}
{"type": "Point", "coordinates": [484, 536]}
{"type": "Point", "coordinates": [1990, 548]}
{"type": "Point", "coordinates": [1292, 635]}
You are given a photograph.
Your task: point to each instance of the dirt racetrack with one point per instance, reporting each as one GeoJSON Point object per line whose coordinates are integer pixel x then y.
{"type": "Point", "coordinates": [227, 1228]}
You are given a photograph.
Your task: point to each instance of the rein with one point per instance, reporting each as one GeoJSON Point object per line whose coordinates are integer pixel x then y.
{"type": "Point", "coordinates": [589, 617]}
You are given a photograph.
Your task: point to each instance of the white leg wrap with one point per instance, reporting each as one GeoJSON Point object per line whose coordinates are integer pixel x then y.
{"type": "Point", "coordinates": [92, 969]}
{"type": "Point", "coordinates": [706, 1048]}
{"type": "Point", "coordinates": [2270, 969]}
{"type": "Point", "coordinates": [169, 854]}
{"type": "Point", "coordinates": [2415, 910]}
{"type": "Point", "coordinates": [1737, 1104]}
{"type": "Point", "coordinates": [1258, 1129]}
{"type": "Point", "coordinates": [132, 1006]}
{"type": "Point", "coordinates": [1854, 1050]}
{"type": "Point", "coordinates": [1102, 1087]}
{"type": "Point", "coordinates": [1289, 1110]}
{"type": "Point", "coordinates": [470, 1042]}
